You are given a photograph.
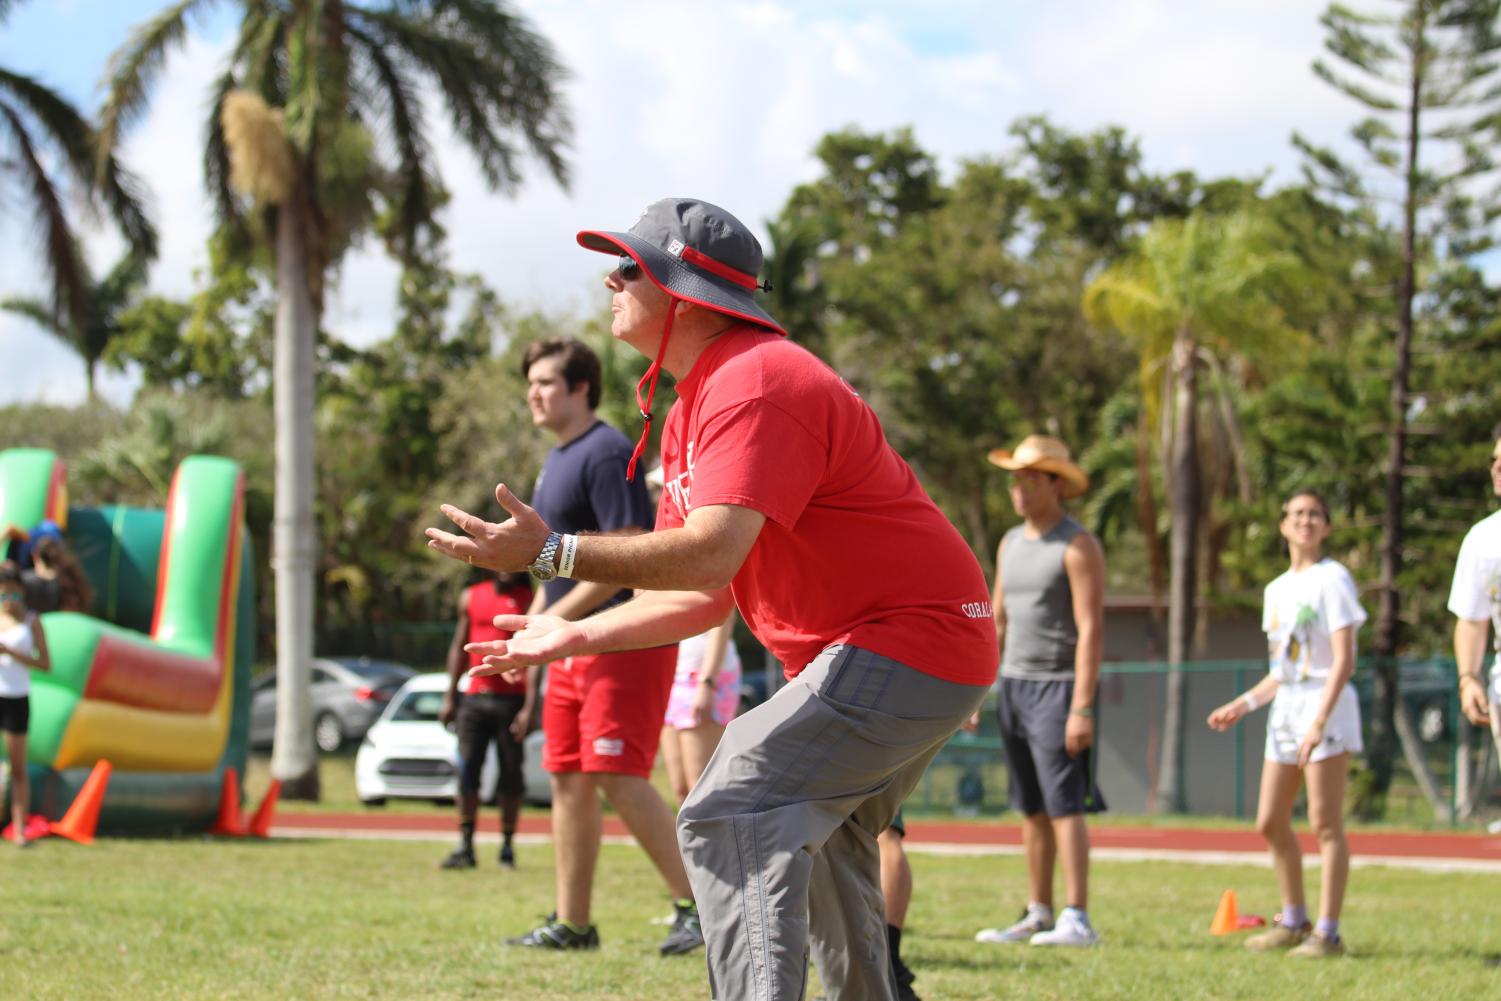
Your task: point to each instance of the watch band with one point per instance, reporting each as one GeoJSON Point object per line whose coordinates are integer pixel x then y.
{"type": "Point", "coordinates": [545, 566]}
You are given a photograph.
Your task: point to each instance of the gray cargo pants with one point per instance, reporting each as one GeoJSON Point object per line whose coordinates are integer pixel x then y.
{"type": "Point", "coordinates": [779, 835]}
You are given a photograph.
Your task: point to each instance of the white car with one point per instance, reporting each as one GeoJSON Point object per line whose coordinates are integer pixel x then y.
{"type": "Point", "coordinates": [408, 754]}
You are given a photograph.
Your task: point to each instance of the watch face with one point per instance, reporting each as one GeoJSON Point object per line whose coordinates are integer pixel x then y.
{"type": "Point", "coordinates": [543, 573]}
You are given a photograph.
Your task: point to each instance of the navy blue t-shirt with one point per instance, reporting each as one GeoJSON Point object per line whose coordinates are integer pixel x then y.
{"type": "Point", "coordinates": [582, 488]}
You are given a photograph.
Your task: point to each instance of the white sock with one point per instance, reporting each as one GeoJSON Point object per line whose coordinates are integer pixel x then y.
{"type": "Point", "coordinates": [1042, 911]}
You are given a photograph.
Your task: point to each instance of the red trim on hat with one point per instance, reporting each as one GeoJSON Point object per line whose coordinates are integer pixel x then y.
{"type": "Point", "coordinates": [724, 271]}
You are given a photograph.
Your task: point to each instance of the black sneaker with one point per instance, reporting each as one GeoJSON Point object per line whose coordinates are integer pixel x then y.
{"type": "Point", "coordinates": [686, 934]}
{"type": "Point", "coordinates": [507, 857]}
{"type": "Point", "coordinates": [557, 935]}
{"type": "Point", "coordinates": [462, 858]}
{"type": "Point", "coordinates": [904, 978]}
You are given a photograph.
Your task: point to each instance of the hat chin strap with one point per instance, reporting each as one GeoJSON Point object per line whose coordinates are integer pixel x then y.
{"type": "Point", "coordinates": [649, 380]}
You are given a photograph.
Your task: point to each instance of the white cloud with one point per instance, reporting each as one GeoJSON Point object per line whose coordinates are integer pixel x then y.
{"type": "Point", "coordinates": [725, 101]}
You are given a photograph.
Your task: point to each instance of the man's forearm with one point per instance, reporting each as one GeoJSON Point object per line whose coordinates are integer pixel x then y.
{"type": "Point", "coordinates": [582, 599]}
{"type": "Point", "coordinates": [1469, 646]}
{"type": "Point", "coordinates": [654, 618]}
{"type": "Point", "coordinates": [1087, 657]}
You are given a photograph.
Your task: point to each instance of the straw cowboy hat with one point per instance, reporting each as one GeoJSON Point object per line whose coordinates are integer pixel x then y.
{"type": "Point", "coordinates": [1047, 455]}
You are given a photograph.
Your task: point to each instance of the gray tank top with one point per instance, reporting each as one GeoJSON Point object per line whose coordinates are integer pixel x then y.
{"type": "Point", "coordinates": [1040, 632]}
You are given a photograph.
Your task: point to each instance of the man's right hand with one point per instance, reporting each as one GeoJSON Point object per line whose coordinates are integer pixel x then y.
{"type": "Point", "coordinates": [449, 710]}
{"type": "Point", "coordinates": [535, 639]}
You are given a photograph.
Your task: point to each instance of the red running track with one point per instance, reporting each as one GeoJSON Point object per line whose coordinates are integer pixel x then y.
{"type": "Point", "coordinates": [1396, 844]}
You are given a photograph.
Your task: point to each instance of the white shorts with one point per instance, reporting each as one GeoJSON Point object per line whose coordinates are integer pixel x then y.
{"type": "Point", "coordinates": [1292, 713]}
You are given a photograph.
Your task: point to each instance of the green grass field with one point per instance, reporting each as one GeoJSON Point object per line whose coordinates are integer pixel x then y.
{"type": "Point", "coordinates": [363, 919]}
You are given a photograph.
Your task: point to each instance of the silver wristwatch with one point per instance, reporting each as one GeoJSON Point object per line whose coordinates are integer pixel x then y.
{"type": "Point", "coordinates": [545, 566]}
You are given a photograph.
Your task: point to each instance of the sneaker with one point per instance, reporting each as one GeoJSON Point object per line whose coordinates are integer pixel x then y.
{"type": "Point", "coordinates": [462, 858]}
{"type": "Point", "coordinates": [1072, 930]}
{"type": "Point", "coordinates": [556, 935]}
{"type": "Point", "coordinates": [1316, 946]}
{"type": "Point", "coordinates": [686, 933]}
{"type": "Point", "coordinates": [1279, 936]}
{"type": "Point", "coordinates": [1030, 924]}
{"type": "Point", "coordinates": [904, 979]}
{"type": "Point", "coordinates": [507, 857]}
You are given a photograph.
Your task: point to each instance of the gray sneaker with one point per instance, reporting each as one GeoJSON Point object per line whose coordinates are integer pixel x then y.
{"type": "Point", "coordinates": [686, 934]}
{"type": "Point", "coordinates": [1032, 921]}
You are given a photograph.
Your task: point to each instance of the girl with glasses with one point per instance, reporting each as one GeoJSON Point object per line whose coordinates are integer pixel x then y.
{"type": "Point", "coordinates": [22, 646]}
{"type": "Point", "coordinates": [1310, 617]}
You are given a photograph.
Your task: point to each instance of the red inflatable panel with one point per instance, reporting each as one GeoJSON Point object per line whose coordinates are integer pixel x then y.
{"type": "Point", "coordinates": [133, 674]}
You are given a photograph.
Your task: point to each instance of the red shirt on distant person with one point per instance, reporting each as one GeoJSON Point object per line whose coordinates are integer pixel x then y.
{"type": "Point", "coordinates": [839, 504]}
{"type": "Point", "coordinates": [484, 604]}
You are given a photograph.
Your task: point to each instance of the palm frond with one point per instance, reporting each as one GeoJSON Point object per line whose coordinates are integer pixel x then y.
{"type": "Point", "coordinates": [39, 313]}
{"type": "Point", "coordinates": [492, 85]}
{"type": "Point", "coordinates": [406, 132]}
{"type": "Point", "coordinates": [65, 128]}
{"type": "Point", "coordinates": [62, 261]}
{"type": "Point", "coordinates": [132, 68]}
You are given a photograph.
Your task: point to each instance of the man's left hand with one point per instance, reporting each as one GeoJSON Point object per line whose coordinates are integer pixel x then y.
{"type": "Point", "coordinates": [1078, 735]}
{"type": "Point", "coordinates": [511, 545]}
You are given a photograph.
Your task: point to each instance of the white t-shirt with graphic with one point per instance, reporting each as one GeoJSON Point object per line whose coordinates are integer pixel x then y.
{"type": "Point", "coordinates": [1476, 592]}
{"type": "Point", "coordinates": [1301, 613]}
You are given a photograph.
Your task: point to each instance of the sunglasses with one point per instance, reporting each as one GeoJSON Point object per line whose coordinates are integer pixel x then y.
{"type": "Point", "coordinates": [628, 268]}
{"type": "Point", "coordinates": [12, 595]}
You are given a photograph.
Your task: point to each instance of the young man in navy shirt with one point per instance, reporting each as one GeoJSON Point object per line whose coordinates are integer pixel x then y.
{"type": "Point", "coordinates": [602, 714]}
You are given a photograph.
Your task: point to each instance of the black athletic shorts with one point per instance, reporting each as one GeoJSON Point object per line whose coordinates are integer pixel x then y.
{"type": "Point", "coordinates": [15, 714]}
{"type": "Point", "coordinates": [482, 719]}
{"type": "Point", "coordinates": [1043, 778]}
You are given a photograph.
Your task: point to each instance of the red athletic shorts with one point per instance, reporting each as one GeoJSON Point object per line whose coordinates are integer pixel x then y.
{"type": "Point", "coordinates": [604, 713]}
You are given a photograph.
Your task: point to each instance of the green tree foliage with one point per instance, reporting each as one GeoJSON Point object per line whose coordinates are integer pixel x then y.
{"type": "Point", "coordinates": [1426, 72]}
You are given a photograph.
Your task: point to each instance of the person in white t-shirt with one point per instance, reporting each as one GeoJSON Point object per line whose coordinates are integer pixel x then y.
{"type": "Point", "coordinates": [22, 645]}
{"type": "Point", "coordinates": [1475, 599]}
{"type": "Point", "coordinates": [1310, 616]}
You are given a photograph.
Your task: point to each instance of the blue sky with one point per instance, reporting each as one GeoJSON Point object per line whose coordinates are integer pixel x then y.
{"type": "Point", "coordinates": [724, 101]}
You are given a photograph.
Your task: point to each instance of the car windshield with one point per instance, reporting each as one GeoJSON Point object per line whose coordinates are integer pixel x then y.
{"type": "Point", "coordinates": [418, 707]}
{"type": "Point", "coordinates": [374, 670]}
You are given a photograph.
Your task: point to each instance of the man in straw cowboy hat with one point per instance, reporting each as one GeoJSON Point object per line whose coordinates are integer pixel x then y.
{"type": "Point", "coordinates": [783, 498]}
{"type": "Point", "coordinates": [1048, 599]}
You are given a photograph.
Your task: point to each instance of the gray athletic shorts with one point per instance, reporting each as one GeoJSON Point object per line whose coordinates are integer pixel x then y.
{"type": "Point", "coordinates": [1043, 777]}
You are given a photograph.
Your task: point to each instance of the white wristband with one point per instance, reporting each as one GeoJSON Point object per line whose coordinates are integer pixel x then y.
{"type": "Point", "coordinates": [1251, 704]}
{"type": "Point", "coordinates": [567, 550]}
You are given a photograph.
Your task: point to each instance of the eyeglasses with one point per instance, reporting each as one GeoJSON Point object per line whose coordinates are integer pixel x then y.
{"type": "Point", "coordinates": [628, 267]}
{"type": "Point", "coordinates": [12, 595]}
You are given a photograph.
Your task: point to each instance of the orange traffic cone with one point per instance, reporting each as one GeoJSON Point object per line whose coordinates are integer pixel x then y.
{"type": "Point", "coordinates": [1225, 919]}
{"type": "Point", "coordinates": [260, 824]}
{"type": "Point", "coordinates": [82, 818]}
{"type": "Point", "coordinates": [231, 821]}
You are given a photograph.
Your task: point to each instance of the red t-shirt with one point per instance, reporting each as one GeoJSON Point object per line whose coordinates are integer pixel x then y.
{"type": "Point", "coordinates": [484, 605]}
{"type": "Point", "coordinates": [853, 549]}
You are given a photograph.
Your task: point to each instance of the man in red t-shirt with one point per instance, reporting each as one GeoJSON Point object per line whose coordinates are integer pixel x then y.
{"type": "Point", "coordinates": [494, 709]}
{"type": "Point", "coordinates": [782, 497]}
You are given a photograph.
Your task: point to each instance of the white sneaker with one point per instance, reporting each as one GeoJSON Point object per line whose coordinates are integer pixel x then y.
{"type": "Point", "coordinates": [1032, 921]}
{"type": "Point", "coordinates": [1073, 930]}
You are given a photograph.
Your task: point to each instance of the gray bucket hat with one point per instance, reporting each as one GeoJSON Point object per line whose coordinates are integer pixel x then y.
{"type": "Point", "coordinates": [695, 251]}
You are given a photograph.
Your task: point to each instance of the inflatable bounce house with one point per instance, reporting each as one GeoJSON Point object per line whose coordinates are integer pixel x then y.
{"type": "Point", "coordinates": [156, 679]}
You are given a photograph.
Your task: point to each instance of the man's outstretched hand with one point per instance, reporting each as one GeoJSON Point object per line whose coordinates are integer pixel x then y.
{"type": "Point", "coordinates": [535, 639]}
{"type": "Point", "coordinates": [511, 545]}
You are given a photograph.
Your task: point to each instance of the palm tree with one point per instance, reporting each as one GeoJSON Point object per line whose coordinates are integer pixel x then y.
{"type": "Point", "coordinates": [38, 126]}
{"type": "Point", "coordinates": [317, 119]}
{"type": "Point", "coordinates": [104, 302]}
{"type": "Point", "coordinates": [1194, 291]}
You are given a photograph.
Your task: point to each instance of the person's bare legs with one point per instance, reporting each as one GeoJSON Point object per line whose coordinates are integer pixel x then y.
{"type": "Point", "coordinates": [1042, 853]}
{"type": "Point", "coordinates": [20, 785]}
{"type": "Point", "coordinates": [896, 877]}
{"type": "Point", "coordinates": [672, 758]}
{"type": "Point", "coordinates": [1274, 813]}
{"type": "Point", "coordinates": [577, 823]}
{"type": "Point", "coordinates": [1326, 813]}
{"type": "Point", "coordinates": [651, 823]}
{"type": "Point", "coordinates": [697, 746]}
{"type": "Point", "coordinates": [1072, 840]}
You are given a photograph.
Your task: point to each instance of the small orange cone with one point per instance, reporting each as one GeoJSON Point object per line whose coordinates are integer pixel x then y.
{"type": "Point", "coordinates": [231, 821]}
{"type": "Point", "coordinates": [82, 818]}
{"type": "Point", "coordinates": [260, 824]}
{"type": "Point", "coordinates": [1225, 920]}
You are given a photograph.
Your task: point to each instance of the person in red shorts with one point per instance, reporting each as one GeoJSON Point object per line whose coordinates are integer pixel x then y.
{"type": "Point", "coordinates": [494, 709]}
{"type": "Point", "coordinates": [601, 713]}
{"type": "Point", "coordinates": [784, 499]}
